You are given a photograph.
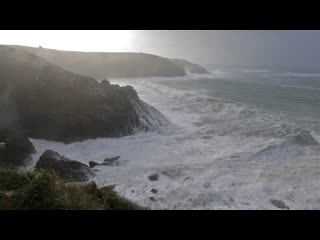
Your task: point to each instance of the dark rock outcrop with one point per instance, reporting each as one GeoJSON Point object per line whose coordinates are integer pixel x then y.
{"type": "Point", "coordinates": [93, 164]}
{"type": "Point", "coordinates": [17, 147]}
{"type": "Point", "coordinates": [152, 199]}
{"type": "Point", "coordinates": [51, 103]}
{"type": "Point", "coordinates": [153, 190]}
{"type": "Point", "coordinates": [114, 161]}
{"type": "Point", "coordinates": [279, 204]}
{"type": "Point", "coordinates": [153, 177]}
{"type": "Point", "coordinates": [189, 66]}
{"type": "Point", "coordinates": [65, 168]}
{"type": "Point", "coordinates": [109, 65]}
{"type": "Point", "coordinates": [111, 161]}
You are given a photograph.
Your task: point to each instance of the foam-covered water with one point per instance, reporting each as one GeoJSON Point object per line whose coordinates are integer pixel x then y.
{"type": "Point", "coordinates": [218, 152]}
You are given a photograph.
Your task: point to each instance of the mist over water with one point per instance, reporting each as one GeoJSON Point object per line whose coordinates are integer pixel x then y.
{"type": "Point", "coordinates": [238, 139]}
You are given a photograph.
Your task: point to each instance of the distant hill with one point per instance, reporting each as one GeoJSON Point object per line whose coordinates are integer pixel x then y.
{"type": "Point", "coordinates": [189, 66]}
{"type": "Point", "coordinates": [49, 102]}
{"type": "Point", "coordinates": [109, 65]}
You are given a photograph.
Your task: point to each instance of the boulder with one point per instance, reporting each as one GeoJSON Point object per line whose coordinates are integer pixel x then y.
{"type": "Point", "coordinates": [152, 199]}
{"type": "Point", "coordinates": [65, 168]}
{"type": "Point", "coordinates": [16, 147]}
{"type": "Point", "coordinates": [279, 204]}
{"type": "Point", "coordinates": [93, 164]}
{"type": "Point", "coordinates": [107, 162]}
{"type": "Point", "coordinates": [154, 177]}
{"type": "Point", "coordinates": [153, 190]}
{"type": "Point", "coordinates": [111, 161]}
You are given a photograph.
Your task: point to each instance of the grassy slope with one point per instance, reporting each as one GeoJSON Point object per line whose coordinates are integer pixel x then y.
{"type": "Point", "coordinates": [101, 65]}
{"type": "Point", "coordinates": [41, 190]}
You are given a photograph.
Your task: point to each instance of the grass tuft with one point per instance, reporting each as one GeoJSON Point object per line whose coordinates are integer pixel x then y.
{"type": "Point", "coordinates": [42, 190]}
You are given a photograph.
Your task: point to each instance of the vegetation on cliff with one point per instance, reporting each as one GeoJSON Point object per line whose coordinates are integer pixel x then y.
{"type": "Point", "coordinates": [42, 190]}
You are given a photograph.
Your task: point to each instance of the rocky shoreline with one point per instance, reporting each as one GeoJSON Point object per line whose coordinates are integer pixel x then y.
{"type": "Point", "coordinates": [42, 100]}
{"type": "Point", "coordinates": [45, 100]}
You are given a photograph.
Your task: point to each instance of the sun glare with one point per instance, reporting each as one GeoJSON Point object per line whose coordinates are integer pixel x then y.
{"type": "Point", "coordinates": [104, 40]}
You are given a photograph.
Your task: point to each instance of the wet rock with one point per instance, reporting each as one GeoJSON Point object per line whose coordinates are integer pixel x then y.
{"type": "Point", "coordinates": [93, 164]}
{"type": "Point", "coordinates": [153, 177]}
{"type": "Point", "coordinates": [152, 199]}
{"type": "Point", "coordinates": [279, 204]}
{"type": "Point", "coordinates": [65, 168]}
{"type": "Point", "coordinates": [111, 161]}
{"type": "Point", "coordinates": [153, 190]}
{"type": "Point", "coordinates": [114, 161]}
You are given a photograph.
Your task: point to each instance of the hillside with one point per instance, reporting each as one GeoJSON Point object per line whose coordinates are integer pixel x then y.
{"type": "Point", "coordinates": [109, 65]}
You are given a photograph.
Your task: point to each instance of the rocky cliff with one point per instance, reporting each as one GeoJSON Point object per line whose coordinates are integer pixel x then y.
{"type": "Point", "coordinates": [190, 67]}
{"type": "Point", "coordinates": [49, 102]}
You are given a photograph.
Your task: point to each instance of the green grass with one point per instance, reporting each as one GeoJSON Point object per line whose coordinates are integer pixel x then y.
{"type": "Point", "coordinates": [41, 190]}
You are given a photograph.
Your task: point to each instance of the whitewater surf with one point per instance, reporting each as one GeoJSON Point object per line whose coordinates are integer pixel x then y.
{"type": "Point", "coordinates": [219, 149]}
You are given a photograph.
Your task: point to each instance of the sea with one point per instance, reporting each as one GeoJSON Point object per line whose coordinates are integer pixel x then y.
{"type": "Point", "coordinates": [238, 138]}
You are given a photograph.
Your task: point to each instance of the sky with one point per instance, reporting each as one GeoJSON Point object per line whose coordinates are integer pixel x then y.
{"type": "Point", "coordinates": [250, 47]}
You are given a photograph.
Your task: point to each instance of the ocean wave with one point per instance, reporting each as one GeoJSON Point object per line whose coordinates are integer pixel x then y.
{"type": "Point", "coordinates": [302, 74]}
{"type": "Point", "coordinates": [255, 70]}
{"type": "Point", "coordinates": [223, 116]}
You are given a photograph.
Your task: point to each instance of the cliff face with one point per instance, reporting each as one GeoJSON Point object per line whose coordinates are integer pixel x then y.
{"type": "Point", "coordinates": [49, 102]}
{"type": "Point", "coordinates": [109, 65]}
{"type": "Point", "coordinates": [190, 67]}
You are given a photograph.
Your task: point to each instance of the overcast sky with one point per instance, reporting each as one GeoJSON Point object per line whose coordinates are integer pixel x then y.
{"type": "Point", "coordinates": [216, 47]}
{"type": "Point", "coordinates": [237, 47]}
